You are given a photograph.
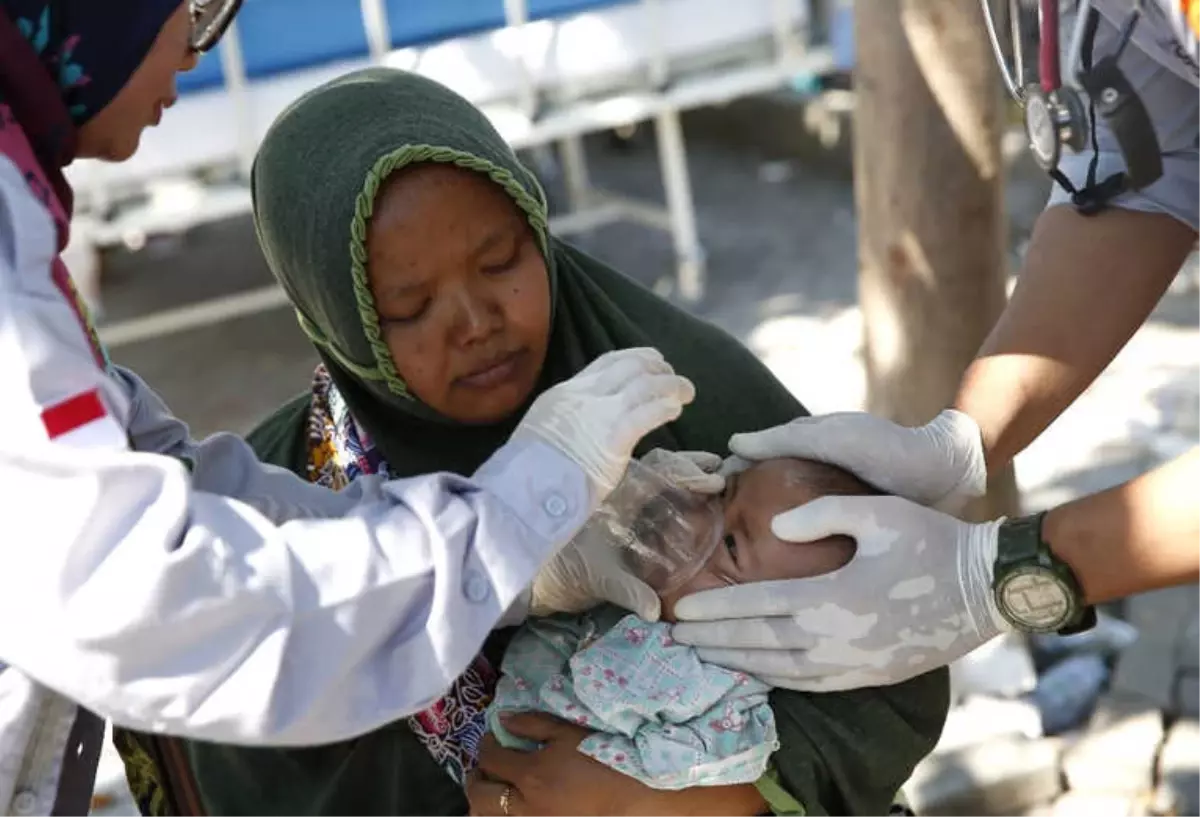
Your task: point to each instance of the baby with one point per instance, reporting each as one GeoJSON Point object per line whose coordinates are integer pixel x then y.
{"type": "Point", "coordinates": [748, 550]}
{"type": "Point", "coordinates": [659, 713]}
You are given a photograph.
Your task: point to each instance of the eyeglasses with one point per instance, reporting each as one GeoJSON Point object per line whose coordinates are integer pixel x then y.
{"type": "Point", "coordinates": [210, 18]}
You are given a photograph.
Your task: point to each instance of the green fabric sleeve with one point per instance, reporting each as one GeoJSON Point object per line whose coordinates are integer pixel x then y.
{"type": "Point", "coordinates": [280, 438]}
{"type": "Point", "coordinates": [779, 800]}
{"type": "Point", "coordinates": [850, 752]}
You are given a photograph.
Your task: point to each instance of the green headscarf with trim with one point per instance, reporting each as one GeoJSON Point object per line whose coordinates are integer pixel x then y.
{"type": "Point", "coordinates": [314, 182]}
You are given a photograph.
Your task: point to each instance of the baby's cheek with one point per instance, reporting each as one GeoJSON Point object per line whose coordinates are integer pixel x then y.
{"type": "Point", "coordinates": [704, 580]}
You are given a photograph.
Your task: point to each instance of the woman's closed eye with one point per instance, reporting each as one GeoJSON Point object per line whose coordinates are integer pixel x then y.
{"type": "Point", "coordinates": [508, 263]}
{"type": "Point", "coordinates": [406, 316]}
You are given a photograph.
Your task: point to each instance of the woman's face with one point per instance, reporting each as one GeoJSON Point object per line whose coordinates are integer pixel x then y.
{"type": "Point", "coordinates": [114, 132]}
{"type": "Point", "coordinates": [462, 291]}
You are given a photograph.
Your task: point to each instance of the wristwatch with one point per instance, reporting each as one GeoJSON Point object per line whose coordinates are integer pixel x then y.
{"type": "Point", "coordinates": [1035, 590]}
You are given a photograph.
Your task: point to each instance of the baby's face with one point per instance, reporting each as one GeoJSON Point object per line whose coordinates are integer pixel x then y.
{"type": "Point", "coordinates": [749, 551]}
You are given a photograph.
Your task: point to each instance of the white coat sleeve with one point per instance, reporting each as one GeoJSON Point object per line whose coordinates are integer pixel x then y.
{"type": "Point", "coordinates": [166, 608]}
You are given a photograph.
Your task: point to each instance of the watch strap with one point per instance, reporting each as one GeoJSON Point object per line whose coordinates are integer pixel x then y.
{"type": "Point", "coordinates": [1020, 541]}
{"type": "Point", "coordinates": [1021, 544]}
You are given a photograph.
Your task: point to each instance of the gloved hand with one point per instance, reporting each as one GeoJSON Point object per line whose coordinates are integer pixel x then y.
{"type": "Point", "coordinates": [587, 571]}
{"type": "Point", "coordinates": [596, 418]}
{"type": "Point", "coordinates": [940, 464]}
{"type": "Point", "coordinates": [590, 561]}
{"type": "Point", "coordinates": [694, 471]}
{"type": "Point", "coordinates": [916, 596]}
{"type": "Point", "coordinates": [599, 415]}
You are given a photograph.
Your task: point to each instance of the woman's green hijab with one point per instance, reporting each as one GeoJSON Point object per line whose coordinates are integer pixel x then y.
{"type": "Point", "coordinates": [315, 181]}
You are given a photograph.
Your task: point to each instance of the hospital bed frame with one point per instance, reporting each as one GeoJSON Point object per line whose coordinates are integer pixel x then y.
{"type": "Point", "coordinates": [543, 82]}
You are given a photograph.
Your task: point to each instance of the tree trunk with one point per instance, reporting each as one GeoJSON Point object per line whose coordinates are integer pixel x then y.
{"type": "Point", "coordinates": [929, 184]}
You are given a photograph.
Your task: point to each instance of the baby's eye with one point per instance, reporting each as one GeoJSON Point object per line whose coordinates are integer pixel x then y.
{"type": "Point", "coordinates": [731, 547]}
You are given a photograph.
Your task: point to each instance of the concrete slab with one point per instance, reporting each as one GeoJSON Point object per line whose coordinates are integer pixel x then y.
{"type": "Point", "coordinates": [1179, 766]}
{"type": "Point", "coordinates": [1116, 754]}
{"type": "Point", "coordinates": [1005, 775]}
{"type": "Point", "coordinates": [1147, 670]}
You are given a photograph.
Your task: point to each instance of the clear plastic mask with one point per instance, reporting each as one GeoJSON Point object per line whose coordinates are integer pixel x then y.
{"type": "Point", "coordinates": [665, 533]}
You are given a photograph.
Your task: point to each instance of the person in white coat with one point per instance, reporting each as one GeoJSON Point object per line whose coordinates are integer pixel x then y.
{"type": "Point", "coordinates": [924, 588]}
{"type": "Point", "coordinates": [178, 586]}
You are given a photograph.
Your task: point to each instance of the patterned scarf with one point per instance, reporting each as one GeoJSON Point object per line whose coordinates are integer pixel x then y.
{"type": "Point", "coordinates": [339, 452]}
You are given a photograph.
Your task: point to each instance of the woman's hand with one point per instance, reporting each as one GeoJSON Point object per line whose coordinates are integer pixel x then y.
{"type": "Point", "coordinates": [559, 779]}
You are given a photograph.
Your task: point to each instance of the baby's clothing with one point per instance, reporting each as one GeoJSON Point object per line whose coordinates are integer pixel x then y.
{"type": "Point", "coordinates": [660, 714]}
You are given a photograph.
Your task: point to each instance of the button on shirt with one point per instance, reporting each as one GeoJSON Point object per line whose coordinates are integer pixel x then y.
{"type": "Point", "coordinates": [207, 601]}
{"type": "Point", "coordinates": [555, 505]}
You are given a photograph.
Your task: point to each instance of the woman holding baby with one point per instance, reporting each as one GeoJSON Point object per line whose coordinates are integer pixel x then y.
{"type": "Point", "coordinates": [414, 247]}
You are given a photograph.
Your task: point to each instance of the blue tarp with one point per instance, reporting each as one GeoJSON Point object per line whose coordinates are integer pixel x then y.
{"type": "Point", "coordinates": [278, 36]}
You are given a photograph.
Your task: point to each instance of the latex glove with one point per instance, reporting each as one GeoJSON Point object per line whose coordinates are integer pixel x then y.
{"type": "Point", "coordinates": [590, 562]}
{"type": "Point", "coordinates": [916, 596]}
{"type": "Point", "coordinates": [587, 571]}
{"type": "Point", "coordinates": [694, 471]}
{"type": "Point", "coordinates": [940, 464]}
{"type": "Point", "coordinates": [596, 418]}
{"type": "Point", "coordinates": [599, 415]}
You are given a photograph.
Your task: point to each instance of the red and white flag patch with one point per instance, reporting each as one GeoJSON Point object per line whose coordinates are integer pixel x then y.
{"type": "Point", "coordinates": [82, 420]}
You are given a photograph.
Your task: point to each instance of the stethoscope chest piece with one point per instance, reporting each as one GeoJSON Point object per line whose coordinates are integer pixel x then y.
{"type": "Point", "coordinates": [1052, 120]}
{"type": "Point", "coordinates": [1059, 115]}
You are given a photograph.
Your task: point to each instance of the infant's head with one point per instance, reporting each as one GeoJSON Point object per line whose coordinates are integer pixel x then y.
{"type": "Point", "coordinates": [749, 551]}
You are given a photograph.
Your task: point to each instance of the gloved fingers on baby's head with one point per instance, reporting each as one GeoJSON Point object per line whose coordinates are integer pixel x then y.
{"type": "Point", "coordinates": [748, 601]}
{"type": "Point", "coordinates": [800, 437]}
{"type": "Point", "coordinates": [821, 478]}
{"type": "Point", "coordinates": [761, 632]}
{"type": "Point", "coordinates": [824, 517]}
{"type": "Point", "coordinates": [733, 465]}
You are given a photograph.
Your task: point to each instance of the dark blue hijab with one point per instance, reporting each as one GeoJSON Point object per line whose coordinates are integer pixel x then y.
{"type": "Point", "coordinates": [63, 61]}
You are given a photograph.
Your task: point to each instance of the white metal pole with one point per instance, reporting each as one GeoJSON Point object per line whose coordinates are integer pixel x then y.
{"type": "Point", "coordinates": [658, 67]}
{"type": "Point", "coordinates": [672, 155]}
{"type": "Point", "coordinates": [516, 15]}
{"type": "Point", "coordinates": [233, 66]}
{"type": "Point", "coordinates": [575, 171]}
{"type": "Point", "coordinates": [375, 23]}
{"type": "Point", "coordinates": [787, 41]}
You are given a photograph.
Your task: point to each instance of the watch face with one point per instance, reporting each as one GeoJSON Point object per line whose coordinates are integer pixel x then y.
{"type": "Point", "coordinates": [1035, 599]}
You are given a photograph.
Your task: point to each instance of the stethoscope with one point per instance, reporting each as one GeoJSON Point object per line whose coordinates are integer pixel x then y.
{"type": "Point", "coordinates": [1058, 115]}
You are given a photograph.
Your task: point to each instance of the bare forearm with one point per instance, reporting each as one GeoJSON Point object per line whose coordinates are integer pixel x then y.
{"type": "Point", "coordinates": [1135, 537]}
{"type": "Point", "coordinates": [1087, 285]}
